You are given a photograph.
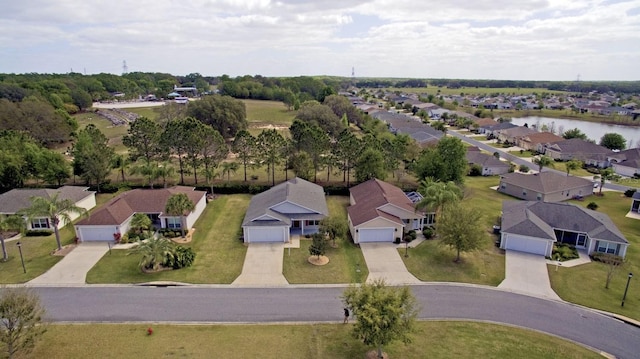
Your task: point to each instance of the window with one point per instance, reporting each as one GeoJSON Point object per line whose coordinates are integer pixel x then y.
{"type": "Point", "coordinates": [503, 186]}
{"type": "Point", "coordinates": [311, 223]}
{"type": "Point", "coordinates": [39, 223]}
{"type": "Point", "coordinates": [606, 247]}
{"type": "Point", "coordinates": [174, 223]}
{"type": "Point", "coordinates": [524, 192]}
{"type": "Point", "coordinates": [539, 197]}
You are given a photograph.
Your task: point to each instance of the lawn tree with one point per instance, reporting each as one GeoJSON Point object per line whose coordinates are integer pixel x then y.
{"type": "Point", "coordinates": [437, 195]}
{"type": "Point", "coordinates": [169, 112]}
{"type": "Point", "coordinates": [606, 174]}
{"type": "Point", "coordinates": [174, 140]}
{"type": "Point", "coordinates": [348, 150]}
{"type": "Point", "coordinates": [9, 223]}
{"type": "Point", "coordinates": [383, 314]}
{"type": "Point", "coordinates": [154, 251]}
{"type": "Point", "coordinates": [341, 106]}
{"type": "Point", "coordinates": [318, 245]}
{"type": "Point", "coordinates": [140, 223]}
{"type": "Point", "coordinates": [370, 165]}
{"type": "Point", "coordinates": [315, 113]}
{"type": "Point", "coordinates": [21, 321]}
{"type": "Point", "coordinates": [302, 165]}
{"type": "Point", "coordinates": [214, 150]}
{"type": "Point", "coordinates": [613, 141]}
{"type": "Point", "coordinates": [55, 209]}
{"type": "Point", "coordinates": [333, 227]}
{"type": "Point", "coordinates": [52, 167]}
{"type": "Point", "coordinates": [311, 139]}
{"type": "Point", "coordinates": [542, 161]}
{"type": "Point", "coordinates": [286, 153]}
{"type": "Point", "coordinates": [225, 114]}
{"type": "Point", "coordinates": [179, 205]}
{"type": "Point", "coordinates": [612, 263]}
{"type": "Point", "coordinates": [193, 134]}
{"type": "Point", "coordinates": [269, 144]}
{"type": "Point", "coordinates": [574, 133]}
{"type": "Point", "coordinates": [572, 165]}
{"type": "Point", "coordinates": [143, 142]}
{"type": "Point", "coordinates": [244, 145]}
{"type": "Point", "coordinates": [121, 163]}
{"type": "Point", "coordinates": [446, 162]}
{"type": "Point", "coordinates": [228, 168]}
{"type": "Point", "coordinates": [460, 228]}
{"type": "Point", "coordinates": [92, 155]}
{"type": "Point", "coordinates": [147, 169]}
{"type": "Point", "coordinates": [439, 125]}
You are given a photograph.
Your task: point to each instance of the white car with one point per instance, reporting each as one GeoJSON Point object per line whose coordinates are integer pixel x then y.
{"type": "Point", "coordinates": [596, 184]}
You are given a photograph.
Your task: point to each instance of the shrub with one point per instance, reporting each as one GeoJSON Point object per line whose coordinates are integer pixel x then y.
{"type": "Point", "coordinates": [475, 170]}
{"type": "Point", "coordinates": [606, 258]}
{"type": "Point", "coordinates": [630, 192]}
{"type": "Point", "coordinates": [182, 257]}
{"type": "Point", "coordinates": [38, 233]}
{"type": "Point", "coordinates": [124, 239]}
{"type": "Point", "coordinates": [592, 206]}
{"type": "Point", "coordinates": [523, 168]}
{"type": "Point", "coordinates": [564, 252]}
{"type": "Point", "coordinates": [407, 238]}
{"type": "Point", "coordinates": [413, 234]}
{"type": "Point", "coordinates": [427, 233]}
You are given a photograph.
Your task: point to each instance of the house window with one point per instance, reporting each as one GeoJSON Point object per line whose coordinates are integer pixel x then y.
{"type": "Point", "coordinates": [503, 186]}
{"type": "Point", "coordinates": [39, 223]}
{"type": "Point", "coordinates": [174, 223]}
{"type": "Point", "coordinates": [539, 196]}
{"type": "Point", "coordinates": [524, 192]}
{"type": "Point", "coordinates": [606, 247]}
{"type": "Point", "coordinates": [311, 223]}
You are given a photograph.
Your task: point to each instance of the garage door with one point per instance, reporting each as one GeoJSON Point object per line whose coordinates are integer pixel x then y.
{"type": "Point", "coordinates": [87, 234]}
{"type": "Point", "coordinates": [265, 234]}
{"type": "Point", "coordinates": [526, 245]}
{"type": "Point", "coordinates": [376, 235]}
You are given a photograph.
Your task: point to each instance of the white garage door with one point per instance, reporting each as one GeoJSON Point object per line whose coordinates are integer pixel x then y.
{"type": "Point", "coordinates": [376, 235]}
{"type": "Point", "coordinates": [265, 234]}
{"type": "Point", "coordinates": [87, 234]}
{"type": "Point", "coordinates": [526, 245]}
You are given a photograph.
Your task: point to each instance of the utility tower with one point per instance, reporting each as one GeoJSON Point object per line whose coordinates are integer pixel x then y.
{"type": "Point", "coordinates": [125, 68]}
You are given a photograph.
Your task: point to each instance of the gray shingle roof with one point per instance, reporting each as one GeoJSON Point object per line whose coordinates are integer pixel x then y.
{"type": "Point", "coordinates": [296, 191]}
{"type": "Point", "coordinates": [545, 182]}
{"type": "Point", "coordinates": [19, 199]}
{"type": "Point", "coordinates": [483, 159]}
{"type": "Point", "coordinates": [539, 219]}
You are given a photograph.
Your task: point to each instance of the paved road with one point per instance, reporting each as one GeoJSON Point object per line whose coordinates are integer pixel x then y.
{"type": "Point", "coordinates": [210, 304]}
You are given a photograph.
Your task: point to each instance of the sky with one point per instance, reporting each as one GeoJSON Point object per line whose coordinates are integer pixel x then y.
{"type": "Point", "coordinates": [558, 40]}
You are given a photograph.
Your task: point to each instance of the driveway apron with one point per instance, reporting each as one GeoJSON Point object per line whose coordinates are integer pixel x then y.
{"type": "Point", "coordinates": [384, 262]}
{"type": "Point", "coordinates": [527, 274]}
{"type": "Point", "coordinates": [73, 268]}
{"type": "Point", "coordinates": [262, 266]}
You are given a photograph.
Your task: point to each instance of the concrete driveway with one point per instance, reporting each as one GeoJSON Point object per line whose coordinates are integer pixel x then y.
{"type": "Point", "coordinates": [384, 262]}
{"type": "Point", "coordinates": [262, 266]}
{"type": "Point", "coordinates": [527, 274]}
{"type": "Point", "coordinates": [73, 268]}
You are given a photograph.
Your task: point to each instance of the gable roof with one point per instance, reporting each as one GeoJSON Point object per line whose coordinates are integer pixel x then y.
{"type": "Point", "coordinates": [18, 199]}
{"type": "Point", "coordinates": [483, 159]}
{"type": "Point", "coordinates": [296, 191]}
{"type": "Point", "coordinates": [369, 196]}
{"type": "Point", "coordinates": [539, 219]}
{"type": "Point", "coordinates": [542, 137]}
{"type": "Point", "coordinates": [117, 210]}
{"type": "Point", "coordinates": [580, 147]}
{"type": "Point", "coordinates": [545, 182]}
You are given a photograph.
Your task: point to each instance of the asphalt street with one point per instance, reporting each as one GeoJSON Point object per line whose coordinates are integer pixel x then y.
{"type": "Point", "coordinates": [222, 304]}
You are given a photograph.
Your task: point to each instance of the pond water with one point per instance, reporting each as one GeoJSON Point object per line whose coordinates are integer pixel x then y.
{"type": "Point", "coordinates": [593, 130]}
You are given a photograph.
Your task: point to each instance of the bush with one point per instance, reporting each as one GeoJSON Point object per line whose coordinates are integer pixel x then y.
{"type": "Point", "coordinates": [523, 168]}
{"type": "Point", "coordinates": [630, 192]}
{"type": "Point", "coordinates": [563, 252]}
{"type": "Point", "coordinates": [413, 234]}
{"type": "Point", "coordinates": [427, 233]}
{"type": "Point", "coordinates": [475, 170]}
{"type": "Point", "coordinates": [592, 206]}
{"type": "Point", "coordinates": [182, 257]}
{"type": "Point", "coordinates": [38, 233]}
{"type": "Point", "coordinates": [606, 258]}
{"type": "Point", "coordinates": [124, 239]}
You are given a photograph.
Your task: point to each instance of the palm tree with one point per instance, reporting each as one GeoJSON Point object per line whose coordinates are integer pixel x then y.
{"type": "Point", "coordinates": [165, 170]}
{"type": "Point", "coordinates": [140, 222]}
{"type": "Point", "coordinates": [572, 166]}
{"type": "Point", "coordinates": [605, 175]}
{"type": "Point", "coordinates": [178, 205]}
{"type": "Point", "coordinates": [7, 224]}
{"type": "Point", "coordinates": [154, 252]}
{"type": "Point", "coordinates": [543, 161]}
{"type": "Point", "coordinates": [56, 210]}
{"type": "Point", "coordinates": [228, 168]}
{"type": "Point", "coordinates": [437, 195]}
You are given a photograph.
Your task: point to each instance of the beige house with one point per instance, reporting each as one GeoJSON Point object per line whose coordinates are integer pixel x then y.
{"type": "Point", "coordinates": [545, 186]}
{"type": "Point", "coordinates": [535, 141]}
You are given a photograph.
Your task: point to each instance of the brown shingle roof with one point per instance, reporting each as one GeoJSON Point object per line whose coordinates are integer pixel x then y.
{"type": "Point", "coordinates": [117, 210]}
{"type": "Point", "coordinates": [545, 182]}
{"type": "Point", "coordinates": [541, 137]}
{"type": "Point", "coordinates": [373, 194]}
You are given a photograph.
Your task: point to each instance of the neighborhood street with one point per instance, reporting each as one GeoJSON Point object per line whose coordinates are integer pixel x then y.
{"type": "Point", "coordinates": [223, 304]}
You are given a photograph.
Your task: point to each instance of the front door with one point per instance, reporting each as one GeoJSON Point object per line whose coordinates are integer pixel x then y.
{"type": "Point", "coordinates": [582, 240]}
{"type": "Point", "coordinates": [295, 224]}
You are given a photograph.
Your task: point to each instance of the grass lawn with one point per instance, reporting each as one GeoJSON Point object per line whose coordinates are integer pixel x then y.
{"type": "Point", "coordinates": [524, 154]}
{"type": "Point", "coordinates": [585, 284]}
{"type": "Point", "coordinates": [431, 261]}
{"type": "Point", "coordinates": [343, 260]}
{"type": "Point", "coordinates": [113, 133]}
{"type": "Point", "coordinates": [219, 253]}
{"type": "Point", "coordinates": [444, 340]}
{"type": "Point", "coordinates": [264, 113]}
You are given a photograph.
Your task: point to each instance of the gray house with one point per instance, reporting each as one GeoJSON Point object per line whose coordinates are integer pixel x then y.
{"type": "Point", "coordinates": [292, 207]}
{"type": "Point", "coordinates": [545, 186]}
{"type": "Point", "coordinates": [490, 165]}
{"type": "Point", "coordinates": [534, 227]}
{"type": "Point", "coordinates": [575, 148]}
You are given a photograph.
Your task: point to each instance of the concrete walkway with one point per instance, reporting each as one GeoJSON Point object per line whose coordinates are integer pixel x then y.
{"type": "Point", "coordinates": [384, 262]}
{"type": "Point", "coordinates": [262, 266]}
{"type": "Point", "coordinates": [73, 268]}
{"type": "Point", "coordinates": [527, 274]}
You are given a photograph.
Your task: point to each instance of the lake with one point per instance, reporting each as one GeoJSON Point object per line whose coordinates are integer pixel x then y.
{"type": "Point", "coordinates": [593, 130]}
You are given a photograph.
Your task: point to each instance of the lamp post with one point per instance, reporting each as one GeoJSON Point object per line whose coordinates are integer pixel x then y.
{"type": "Point", "coordinates": [626, 288]}
{"type": "Point", "coordinates": [24, 269]}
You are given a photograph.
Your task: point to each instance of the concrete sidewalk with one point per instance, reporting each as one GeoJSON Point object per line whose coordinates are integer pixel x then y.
{"type": "Point", "coordinates": [262, 266]}
{"type": "Point", "coordinates": [73, 268]}
{"type": "Point", "coordinates": [384, 262]}
{"type": "Point", "coordinates": [527, 274]}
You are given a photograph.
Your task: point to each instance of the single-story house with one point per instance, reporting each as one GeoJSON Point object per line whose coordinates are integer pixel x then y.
{"type": "Point", "coordinates": [490, 165]}
{"type": "Point", "coordinates": [17, 200]}
{"type": "Point", "coordinates": [545, 186]}
{"type": "Point", "coordinates": [494, 129]}
{"type": "Point", "coordinates": [575, 148]}
{"type": "Point", "coordinates": [534, 227]}
{"type": "Point", "coordinates": [511, 135]}
{"type": "Point", "coordinates": [534, 141]}
{"type": "Point", "coordinates": [626, 163]}
{"type": "Point", "coordinates": [292, 207]}
{"type": "Point", "coordinates": [114, 218]}
{"type": "Point", "coordinates": [635, 203]}
{"type": "Point", "coordinates": [381, 212]}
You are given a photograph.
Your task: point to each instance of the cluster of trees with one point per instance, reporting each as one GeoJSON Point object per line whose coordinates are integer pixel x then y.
{"type": "Point", "coordinates": [37, 117]}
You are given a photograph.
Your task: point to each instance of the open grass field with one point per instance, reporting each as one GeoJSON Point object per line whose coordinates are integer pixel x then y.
{"type": "Point", "coordinates": [344, 260]}
{"type": "Point", "coordinates": [113, 133]}
{"type": "Point", "coordinates": [268, 114]}
{"type": "Point", "coordinates": [433, 339]}
{"type": "Point", "coordinates": [584, 284]}
{"type": "Point", "coordinates": [219, 253]}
